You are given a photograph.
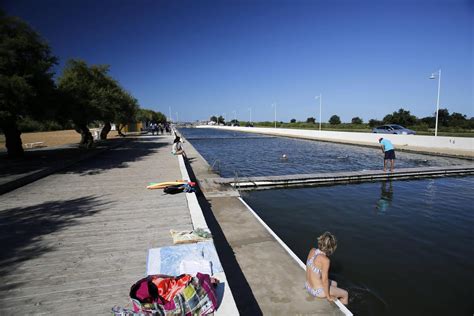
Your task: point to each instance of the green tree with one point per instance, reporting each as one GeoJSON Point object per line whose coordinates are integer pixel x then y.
{"type": "Point", "coordinates": [443, 117]}
{"type": "Point", "coordinates": [143, 115]}
{"type": "Point", "coordinates": [458, 120]}
{"type": "Point", "coordinates": [335, 120]}
{"type": "Point", "coordinates": [127, 111]}
{"type": "Point", "coordinates": [374, 122]}
{"type": "Point", "coordinates": [91, 94]}
{"type": "Point", "coordinates": [293, 121]}
{"type": "Point", "coordinates": [311, 120]}
{"type": "Point", "coordinates": [158, 117]}
{"type": "Point", "coordinates": [220, 120]}
{"type": "Point", "coordinates": [356, 120]}
{"type": "Point", "coordinates": [213, 119]}
{"type": "Point", "coordinates": [26, 79]}
{"type": "Point", "coordinates": [402, 117]}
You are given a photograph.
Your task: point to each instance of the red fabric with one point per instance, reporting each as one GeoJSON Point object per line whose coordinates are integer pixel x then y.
{"type": "Point", "coordinates": [169, 287]}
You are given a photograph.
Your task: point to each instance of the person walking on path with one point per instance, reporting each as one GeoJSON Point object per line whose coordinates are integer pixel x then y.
{"type": "Point", "coordinates": [389, 153]}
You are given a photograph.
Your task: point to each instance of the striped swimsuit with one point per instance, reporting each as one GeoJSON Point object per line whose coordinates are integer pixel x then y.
{"type": "Point", "coordinates": [310, 265]}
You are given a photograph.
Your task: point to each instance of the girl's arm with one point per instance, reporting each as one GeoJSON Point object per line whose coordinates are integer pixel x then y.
{"type": "Point", "coordinates": [325, 278]}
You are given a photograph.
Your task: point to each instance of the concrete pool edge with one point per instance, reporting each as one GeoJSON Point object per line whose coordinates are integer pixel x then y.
{"type": "Point", "coordinates": [455, 147]}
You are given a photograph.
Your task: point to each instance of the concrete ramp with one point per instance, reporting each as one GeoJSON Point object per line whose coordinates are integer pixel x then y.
{"type": "Point", "coordinates": [343, 177]}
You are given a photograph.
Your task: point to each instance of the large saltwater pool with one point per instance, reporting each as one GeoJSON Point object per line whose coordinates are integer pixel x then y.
{"type": "Point", "coordinates": [405, 247]}
{"type": "Point", "coordinates": [244, 154]}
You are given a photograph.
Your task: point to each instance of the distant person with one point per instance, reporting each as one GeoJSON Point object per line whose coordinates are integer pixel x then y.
{"type": "Point", "coordinates": [389, 153]}
{"type": "Point", "coordinates": [177, 147]}
{"type": "Point", "coordinates": [317, 271]}
{"type": "Point", "coordinates": [284, 157]}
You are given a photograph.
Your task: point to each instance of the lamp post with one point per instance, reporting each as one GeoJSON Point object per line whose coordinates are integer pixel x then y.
{"type": "Point", "coordinates": [320, 97]}
{"type": "Point", "coordinates": [235, 116]}
{"type": "Point", "coordinates": [250, 109]}
{"type": "Point", "coordinates": [433, 76]}
{"type": "Point", "coordinates": [275, 107]}
{"type": "Point", "coordinates": [170, 114]}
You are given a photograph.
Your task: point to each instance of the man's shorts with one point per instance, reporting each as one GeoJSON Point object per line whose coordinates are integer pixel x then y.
{"type": "Point", "coordinates": [390, 154]}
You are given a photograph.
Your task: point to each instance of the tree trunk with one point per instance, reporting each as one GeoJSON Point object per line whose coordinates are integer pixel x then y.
{"type": "Point", "coordinates": [13, 140]}
{"type": "Point", "coordinates": [105, 130]}
{"type": "Point", "coordinates": [86, 136]}
{"type": "Point", "coordinates": [119, 129]}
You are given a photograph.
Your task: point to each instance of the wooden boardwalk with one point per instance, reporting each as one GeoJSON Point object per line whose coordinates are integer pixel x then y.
{"type": "Point", "coordinates": [344, 177]}
{"type": "Point", "coordinates": [75, 241]}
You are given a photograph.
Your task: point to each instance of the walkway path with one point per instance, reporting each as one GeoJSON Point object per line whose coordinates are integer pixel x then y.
{"type": "Point", "coordinates": [74, 242]}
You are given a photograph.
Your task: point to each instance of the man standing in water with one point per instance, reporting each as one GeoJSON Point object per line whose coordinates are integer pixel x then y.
{"type": "Point", "coordinates": [389, 152]}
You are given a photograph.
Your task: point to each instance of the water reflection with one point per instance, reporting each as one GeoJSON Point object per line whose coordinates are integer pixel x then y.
{"type": "Point", "coordinates": [386, 196]}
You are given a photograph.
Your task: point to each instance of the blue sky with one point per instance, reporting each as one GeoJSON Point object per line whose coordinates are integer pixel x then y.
{"type": "Point", "coordinates": [367, 58]}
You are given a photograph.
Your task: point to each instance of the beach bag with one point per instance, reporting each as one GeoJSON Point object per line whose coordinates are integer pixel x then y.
{"type": "Point", "coordinates": [197, 297]}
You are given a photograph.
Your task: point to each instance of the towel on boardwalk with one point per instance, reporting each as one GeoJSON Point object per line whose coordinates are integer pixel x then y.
{"type": "Point", "coordinates": [166, 260]}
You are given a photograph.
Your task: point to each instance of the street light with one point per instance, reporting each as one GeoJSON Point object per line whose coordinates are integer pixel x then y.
{"type": "Point", "coordinates": [320, 97]}
{"type": "Point", "coordinates": [275, 106]}
{"type": "Point", "coordinates": [433, 76]}
{"type": "Point", "coordinates": [177, 118]}
{"type": "Point", "coordinates": [250, 109]}
{"type": "Point", "coordinates": [235, 116]}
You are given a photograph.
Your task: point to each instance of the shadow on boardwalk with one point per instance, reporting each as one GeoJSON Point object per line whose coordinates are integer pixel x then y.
{"type": "Point", "coordinates": [22, 228]}
{"type": "Point", "coordinates": [113, 153]}
{"type": "Point", "coordinates": [128, 151]}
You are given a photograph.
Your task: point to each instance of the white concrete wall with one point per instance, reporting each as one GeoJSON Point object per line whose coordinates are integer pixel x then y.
{"type": "Point", "coordinates": [463, 146]}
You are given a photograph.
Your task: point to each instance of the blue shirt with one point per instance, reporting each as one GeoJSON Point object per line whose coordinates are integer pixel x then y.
{"type": "Point", "coordinates": [387, 145]}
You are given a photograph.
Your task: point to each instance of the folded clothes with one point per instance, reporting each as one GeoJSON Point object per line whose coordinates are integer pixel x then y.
{"type": "Point", "coordinates": [184, 237]}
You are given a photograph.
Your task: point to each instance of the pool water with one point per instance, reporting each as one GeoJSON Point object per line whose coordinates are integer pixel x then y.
{"type": "Point", "coordinates": [244, 154]}
{"type": "Point", "coordinates": [405, 247]}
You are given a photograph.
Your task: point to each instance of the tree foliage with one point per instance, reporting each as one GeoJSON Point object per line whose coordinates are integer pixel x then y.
{"type": "Point", "coordinates": [356, 120]}
{"type": "Point", "coordinates": [374, 123]}
{"type": "Point", "coordinates": [402, 117]}
{"type": "Point", "coordinates": [26, 79]}
{"type": "Point", "coordinates": [91, 94]}
{"type": "Point", "coordinates": [311, 120]}
{"type": "Point", "coordinates": [335, 120]}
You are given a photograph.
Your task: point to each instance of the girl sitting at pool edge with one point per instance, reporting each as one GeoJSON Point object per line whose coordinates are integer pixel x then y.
{"type": "Point", "coordinates": [317, 271]}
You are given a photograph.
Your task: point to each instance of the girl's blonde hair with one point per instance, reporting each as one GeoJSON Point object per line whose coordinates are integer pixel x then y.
{"type": "Point", "coordinates": [327, 243]}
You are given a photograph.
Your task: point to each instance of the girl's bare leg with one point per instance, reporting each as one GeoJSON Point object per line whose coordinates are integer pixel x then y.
{"type": "Point", "coordinates": [341, 294]}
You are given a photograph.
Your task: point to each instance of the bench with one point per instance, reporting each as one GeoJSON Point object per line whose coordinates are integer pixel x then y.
{"type": "Point", "coordinates": [34, 144]}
